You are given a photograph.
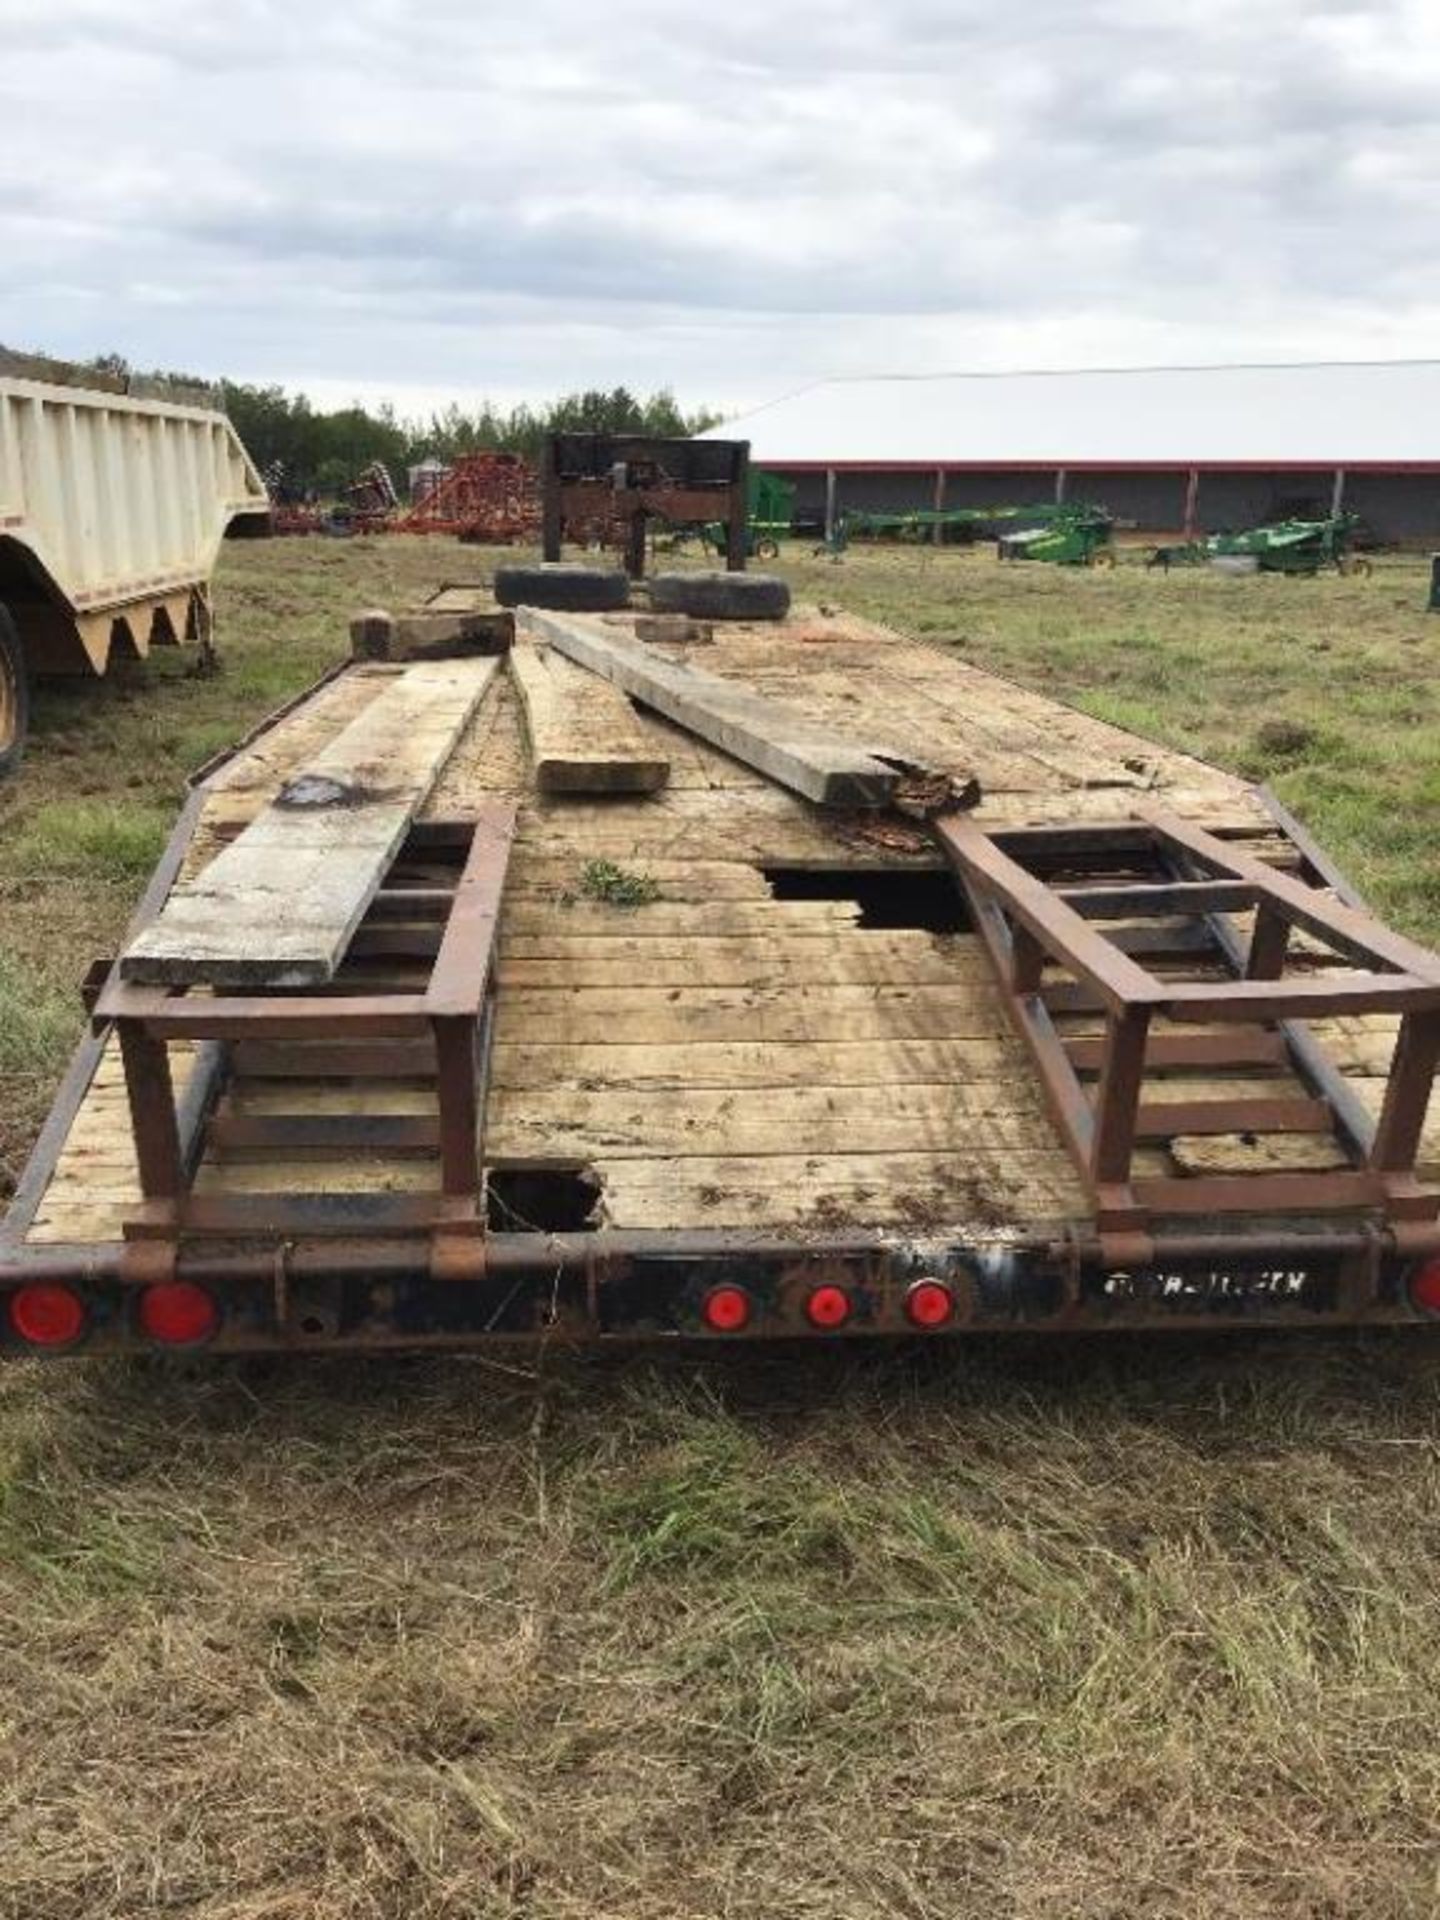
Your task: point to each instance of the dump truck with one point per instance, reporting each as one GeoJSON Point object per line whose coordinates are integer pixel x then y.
{"type": "Point", "coordinates": [114, 497]}
{"type": "Point", "coordinates": [568, 976]}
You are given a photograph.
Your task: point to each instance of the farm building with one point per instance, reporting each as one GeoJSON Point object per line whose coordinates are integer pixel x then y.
{"type": "Point", "coordinates": [1195, 449]}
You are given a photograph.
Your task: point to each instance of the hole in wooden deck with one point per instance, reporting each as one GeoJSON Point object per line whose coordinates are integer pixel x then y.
{"type": "Point", "coordinates": [541, 1199]}
{"type": "Point", "coordinates": [929, 901]}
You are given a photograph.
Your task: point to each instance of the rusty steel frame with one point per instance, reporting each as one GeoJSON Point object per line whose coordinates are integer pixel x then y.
{"type": "Point", "coordinates": [1026, 924]}
{"type": "Point", "coordinates": [621, 514]}
{"type": "Point", "coordinates": [580, 1287]}
{"type": "Point", "coordinates": [452, 1013]}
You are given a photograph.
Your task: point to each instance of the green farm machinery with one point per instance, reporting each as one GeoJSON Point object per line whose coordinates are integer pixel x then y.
{"type": "Point", "coordinates": [1296, 547]}
{"type": "Point", "coordinates": [770, 508]}
{"type": "Point", "coordinates": [1063, 533]}
{"type": "Point", "coordinates": [1067, 536]}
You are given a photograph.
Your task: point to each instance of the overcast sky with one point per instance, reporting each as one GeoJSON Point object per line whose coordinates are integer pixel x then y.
{"type": "Point", "coordinates": [449, 198]}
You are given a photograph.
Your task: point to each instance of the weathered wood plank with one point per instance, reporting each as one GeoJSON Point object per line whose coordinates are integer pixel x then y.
{"type": "Point", "coordinates": [569, 1123]}
{"type": "Point", "coordinates": [583, 733]}
{"type": "Point", "coordinates": [869, 959]}
{"type": "Point", "coordinates": [776, 738]}
{"type": "Point", "coordinates": [445, 635]}
{"type": "Point", "coordinates": [635, 1014]}
{"type": "Point", "coordinates": [799, 1192]}
{"type": "Point", "coordinates": [575, 915]}
{"type": "Point", "coordinates": [278, 906]}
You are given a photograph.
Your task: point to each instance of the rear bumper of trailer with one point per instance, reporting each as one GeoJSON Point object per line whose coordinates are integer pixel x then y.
{"type": "Point", "coordinates": [357, 1293]}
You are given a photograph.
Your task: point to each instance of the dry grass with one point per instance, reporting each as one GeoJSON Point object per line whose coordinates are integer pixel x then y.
{"type": "Point", "coordinates": [1104, 1630]}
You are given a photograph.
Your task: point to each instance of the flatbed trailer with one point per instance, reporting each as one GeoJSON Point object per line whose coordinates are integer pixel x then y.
{"type": "Point", "coordinates": [1114, 1048]}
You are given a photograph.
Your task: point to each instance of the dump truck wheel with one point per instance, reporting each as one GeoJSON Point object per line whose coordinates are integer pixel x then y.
{"type": "Point", "coordinates": [767, 550]}
{"type": "Point", "coordinates": [1356, 567]}
{"type": "Point", "coordinates": [1103, 557]}
{"type": "Point", "coordinates": [721, 596]}
{"type": "Point", "coordinates": [14, 697]}
{"type": "Point", "coordinates": [568, 589]}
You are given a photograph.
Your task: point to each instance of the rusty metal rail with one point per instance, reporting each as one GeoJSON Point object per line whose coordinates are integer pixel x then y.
{"type": "Point", "coordinates": [447, 1022]}
{"type": "Point", "coordinates": [1041, 899]}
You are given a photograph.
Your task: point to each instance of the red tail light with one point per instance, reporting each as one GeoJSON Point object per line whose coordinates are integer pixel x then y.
{"type": "Point", "coordinates": [828, 1307]}
{"type": "Point", "coordinates": [929, 1303]}
{"type": "Point", "coordinates": [47, 1314]}
{"type": "Point", "coordinates": [726, 1309]}
{"type": "Point", "coordinates": [177, 1313]}
{"type": "Point", "coordinates": [1425, 1285]}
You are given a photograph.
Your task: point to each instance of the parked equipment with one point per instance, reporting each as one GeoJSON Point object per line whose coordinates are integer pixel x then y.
{"type": "Point", "coordinates": [1065, 536]}
{"type": "Point", "coordinates": [1300, 547]}
{"type": "Point", "coordinates": [610, 489]}
{"type": "Point", "coordinates": [484, 498]}
{"type": "Point", "coordinates": [1064, 533]}
{"type": "Point", "coordinates": [114, 497]}
{"type": "Point", "coordinates": [769, 510]}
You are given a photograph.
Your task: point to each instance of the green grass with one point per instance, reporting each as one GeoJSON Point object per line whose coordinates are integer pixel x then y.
{"type": "Point", "coordinates": [1135, 1630]}
{"type": "Point", "coordinates": [617, 886]}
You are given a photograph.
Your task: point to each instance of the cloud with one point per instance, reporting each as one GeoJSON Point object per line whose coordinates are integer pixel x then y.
{"type": "Point", "coordinates": [560, 195]}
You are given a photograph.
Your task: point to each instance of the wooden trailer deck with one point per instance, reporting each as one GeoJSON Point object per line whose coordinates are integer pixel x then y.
{"type": "Point", "coordinates": [759, 1047]}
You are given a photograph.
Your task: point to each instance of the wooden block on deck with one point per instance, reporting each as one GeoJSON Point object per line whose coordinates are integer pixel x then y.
{"type": "Point", "coordinates": [776, 738]}
{"type": "Point", "coordinates": [583, 733]}
{"type": "Point", "coordinates": [278, 905]}
{"type": "Point", "coordinates": [377, 635]}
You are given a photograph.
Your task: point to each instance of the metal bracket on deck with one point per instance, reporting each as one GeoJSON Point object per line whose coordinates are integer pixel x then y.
{"type": "Point", "coordinates": [1063, 913]}
{"type": "Point", "coordinates": [438, 1034]}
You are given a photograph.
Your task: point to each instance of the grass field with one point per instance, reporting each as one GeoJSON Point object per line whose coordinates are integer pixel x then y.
{"type": "Point", "coordinates": [1098, 1631]}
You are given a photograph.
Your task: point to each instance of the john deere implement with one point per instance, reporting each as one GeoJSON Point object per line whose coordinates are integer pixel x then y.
{"type": "Point", "coordinates": [1300, 547]}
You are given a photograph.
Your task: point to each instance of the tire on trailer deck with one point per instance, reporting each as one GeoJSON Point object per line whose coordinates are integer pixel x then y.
{"type": "Point", "coordinates": [721, 596]}
{"type": "Point", "coordinates": [567, 589]}
{"type": "Point", "coordinates": [14, 697]}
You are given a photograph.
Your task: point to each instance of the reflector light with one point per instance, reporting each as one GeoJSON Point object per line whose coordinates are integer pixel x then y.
{"type": "Point", "coordinates": [828, 1307]}
{"type": "Point", "coordinates": [1425, 1285]}
{"type": "Point", "coordinates": [47, 1314]}
{"type": "Point", "coordinates": [726, 1309]}
{"type": "Point", "coordinates": [178, 1313]}
{"type": "Point", "coordinates": [929, 1303]}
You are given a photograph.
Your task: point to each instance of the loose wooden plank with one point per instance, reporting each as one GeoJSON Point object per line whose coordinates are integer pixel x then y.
{"type": "Point", "coordinates": [433, 635]}
{"type": "Point", "coordinates": [778, 739]}
{"type": "Point", "coordinates": [278, 906]}
{"type": "Point", "coordinates": [583, 733]}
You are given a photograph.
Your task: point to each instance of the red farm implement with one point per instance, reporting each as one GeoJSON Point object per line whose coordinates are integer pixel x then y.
{"type": "Point", "coordinates": [484, 497]}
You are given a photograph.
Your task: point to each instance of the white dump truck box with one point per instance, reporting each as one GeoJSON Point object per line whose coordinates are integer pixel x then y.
{"type": "Point", "coordinates": [113, 505]}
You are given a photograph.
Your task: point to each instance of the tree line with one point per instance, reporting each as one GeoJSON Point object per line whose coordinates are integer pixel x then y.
{"type": "Point", "coordinates": [317, 454]}
{"type": "Point", "coordinates": [321, 453]}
